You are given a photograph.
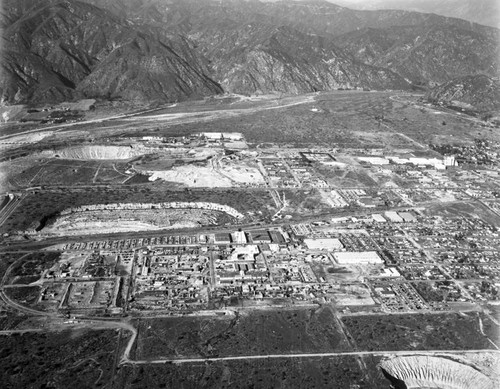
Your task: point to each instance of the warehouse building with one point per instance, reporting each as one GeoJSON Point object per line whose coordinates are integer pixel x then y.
{"type": "Point", "coordinates": [348, 258]}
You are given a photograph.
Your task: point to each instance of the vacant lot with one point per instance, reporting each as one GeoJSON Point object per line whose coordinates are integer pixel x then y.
{"type": "Point", "coordinates": [464, 209]}
{"type": "Point", "coordinates": [298, 373]}
{"type": "Point", "coordinates": [417, 332]}
{"type": "Point", "coordinates": [304, 202]}
{"type": "Point", "coordinates": [24, 295]}
{"type": "Point", "coordinates": [30, 268]}
{"type": "Point", "coordinates": [252, 333]}
{"type": "Point", "coordinates": [80, 359]}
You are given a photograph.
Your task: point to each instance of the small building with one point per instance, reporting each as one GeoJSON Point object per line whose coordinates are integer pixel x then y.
{"type": "Point", "coordinates": [222, 238]}
{"type": "Point", "coordinates": [238, 237]}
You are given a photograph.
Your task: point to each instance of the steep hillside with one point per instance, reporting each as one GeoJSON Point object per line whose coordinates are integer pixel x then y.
{"type": "Point", "coordinates": [55, 50]}
{"type": "Point", "coordinates": [486, 12]}
{"type": "Point", "coordinates": [256, 58]}
{"type": "Point", "coordinates": [178, 49]}
{"type": "Point", "coordinates": [477, 93]}
{"type": "Point", "coordinates": [425, 49]}
{"type": "Point", "coordinates": [311, 16]}
{"type": "Point", "coordinates": [427, 54]}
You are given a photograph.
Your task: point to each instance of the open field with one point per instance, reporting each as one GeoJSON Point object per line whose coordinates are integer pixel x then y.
{"type": "Point", "coordinates": [334, 372]}
{"type": "Point", "coordinates": [66, 172]}
{"type": "Point", "coordinates": [247, 333]}
{"type": "Point", "coordinates": [78, 358]}
{"type": "Point", "coordinates": [346, 177]}
{"type": "Point", "coordinates": [417, 331]}
{"type": "Point", "coordinates": [304, 202]}
{"type": "Point", "coordinates": [386, 122]}
{"type": "Point", "coordinates": [30, 268]}
{"type": "Point", "coordinates": [464, 209]}
{"type": "Point", "coordinates": [24, 295]}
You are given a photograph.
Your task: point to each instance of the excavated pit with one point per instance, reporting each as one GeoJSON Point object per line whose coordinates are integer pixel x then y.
{"type": "Point", "coordinates": [427, 372]}
{"type": "Point", "coordinates": [99, 152]}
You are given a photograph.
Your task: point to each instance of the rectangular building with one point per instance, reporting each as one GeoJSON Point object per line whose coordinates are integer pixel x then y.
{"type": "Point", "coordinates": [393, 217]}
{"type": "Point", "coordinates": [238, 237]}
{"type": "Point", "coordinates": [347, 258]}
{"type": "Point", "coordinates": [329, 244]}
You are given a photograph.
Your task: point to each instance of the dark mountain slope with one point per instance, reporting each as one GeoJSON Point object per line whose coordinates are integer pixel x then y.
{"type": "Point", "coordinates": [313, 16]}
{"type": "Point", "coordinates": [53, 50]}
{"type": "Point", "coordinates": [485, 12]}
{"type": "Point", "coordinates": [256, 58]}
{"type": "Point", "coordinates": [144, 69]}
{"type": "Point", "coordinates": [173, 49]}
{"type": "Point", "coordinates": [423, 48]}
{"type": "Point", "coordinates": [28, 77]}
{"type": "Point", "coordinates": [427, 54]}
{"type": "Point", "coordinates": [476, 93]}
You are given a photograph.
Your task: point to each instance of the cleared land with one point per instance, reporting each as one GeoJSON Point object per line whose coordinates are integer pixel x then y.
{"type": "Point", "coordinates": [247, 333]}
{"type": "Point", "coordinates": [67, 359]}
{"type": "Point", "coordinates": [337, 372]}
{"type": "Point", "coordinates": [417, 331]}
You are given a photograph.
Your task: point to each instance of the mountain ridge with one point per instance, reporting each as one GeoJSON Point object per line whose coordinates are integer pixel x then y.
{"type": "Point", "coordinates": [179, 49]}
{"type": "Point", "coordinates": [69, 40]}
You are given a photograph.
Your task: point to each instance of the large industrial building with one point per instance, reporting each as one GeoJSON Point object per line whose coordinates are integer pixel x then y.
{"type": "Point", "coordinates": [329, 244]}
{"type": "Point", "coordinates": [348, 258]}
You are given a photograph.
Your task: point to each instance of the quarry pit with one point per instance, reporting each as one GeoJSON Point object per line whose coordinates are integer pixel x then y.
{"type": "Point", "coordinates": [425, 371]}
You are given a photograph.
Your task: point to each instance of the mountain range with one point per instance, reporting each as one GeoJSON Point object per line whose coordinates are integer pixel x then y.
{"type": "Point", "coordinates": [479, 94]}
{"type": "Point", "coordinates": [486, 12]}
{"type": "Point", "coordinates": [170, 50]}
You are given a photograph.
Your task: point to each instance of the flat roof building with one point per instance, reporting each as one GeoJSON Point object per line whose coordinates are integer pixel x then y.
{"type": "Point", "coordinates": [407, 217]}
{"type": "Point", "coordinates": [329, 244]}
{"type": "Point", "coordinates": [346, 258]}
{"type": "Point", "coordinates": [260, 236]}
{"type": "Point", "coordinates": [393, 217]}
{"type": "Point", "coordinates": [378, 218]}
{"type": "Point", "coordinates": [238, 237]}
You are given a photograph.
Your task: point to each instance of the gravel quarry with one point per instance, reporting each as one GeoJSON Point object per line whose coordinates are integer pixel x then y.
{"type": "Point", "coordinates": [99, 152]}
{"type": "Point", "coordinates": [424, 371]}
